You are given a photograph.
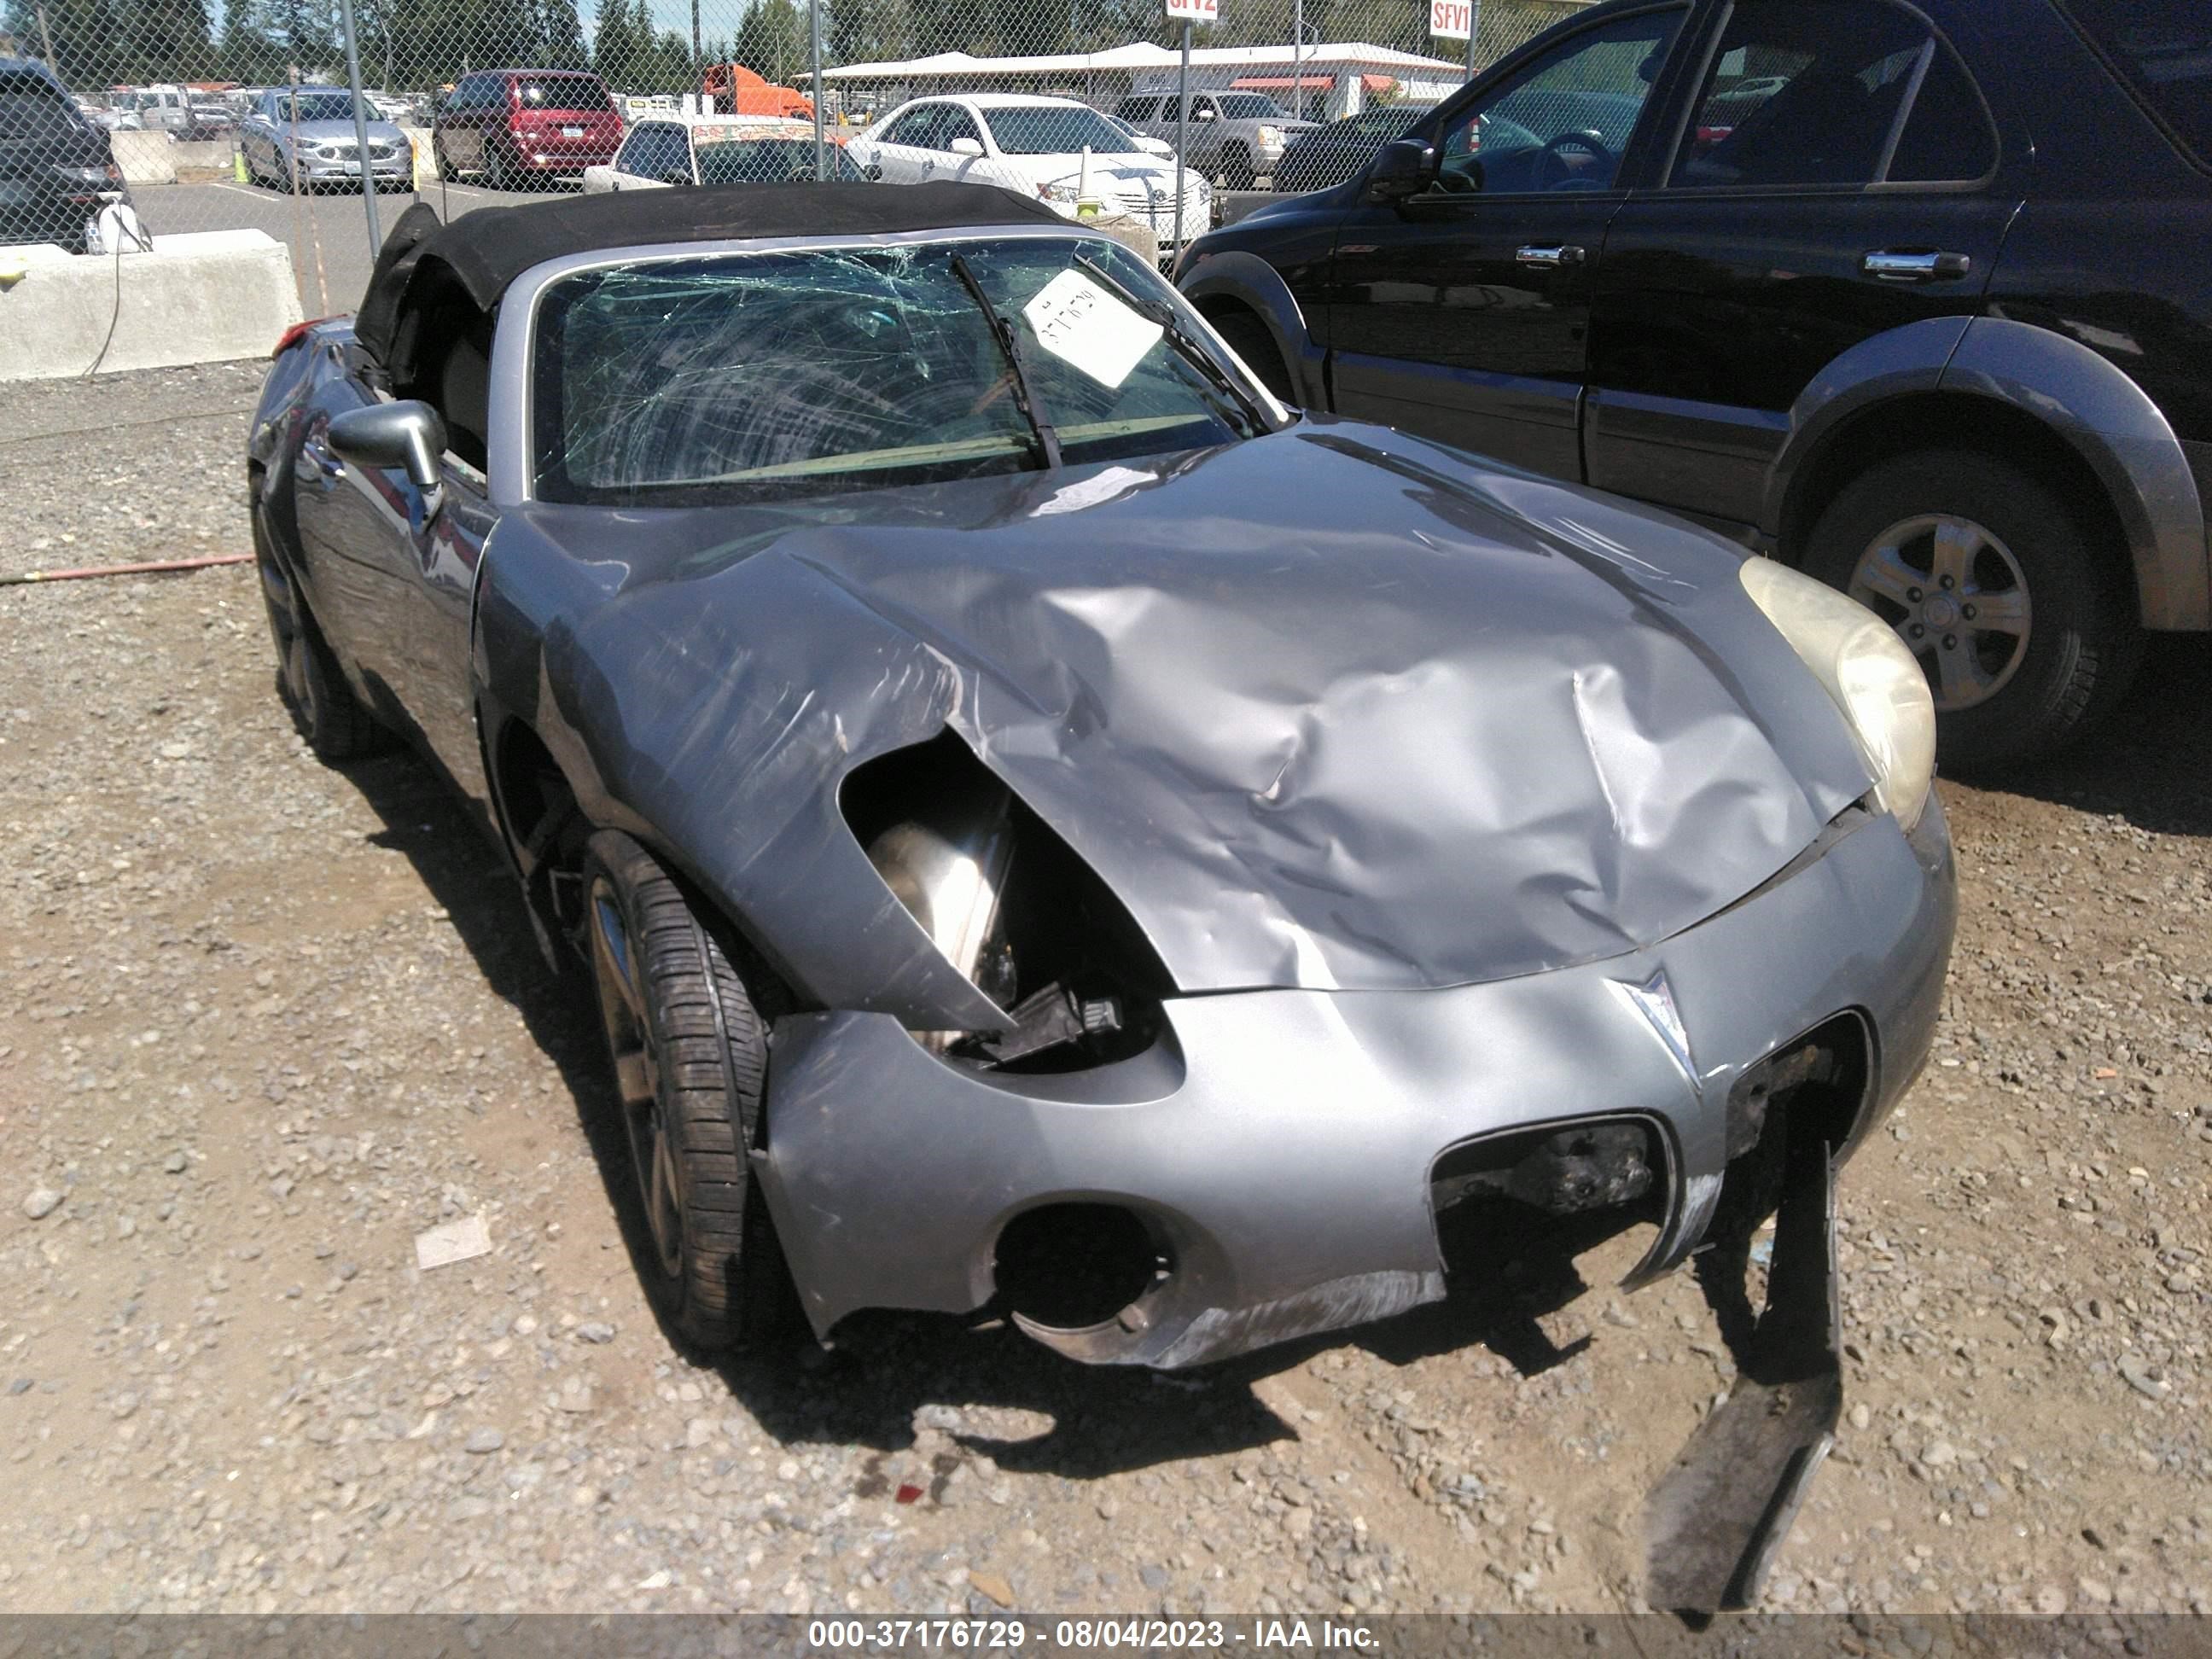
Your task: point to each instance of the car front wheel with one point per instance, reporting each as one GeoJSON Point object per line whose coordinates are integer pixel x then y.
{"type": "Point", "coordinates": [690, 1061]}
{"type": "Point", "coordinates": [2020, 617]}
{"type": "Point", "coordinates": [322, 705]}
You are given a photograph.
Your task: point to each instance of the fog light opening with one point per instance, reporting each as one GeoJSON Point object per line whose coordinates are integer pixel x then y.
{"type": "Point", "coordinates": [1065, 1269]}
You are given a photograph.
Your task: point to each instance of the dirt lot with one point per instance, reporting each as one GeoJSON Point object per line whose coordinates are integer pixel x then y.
{"type": "Point", "coordinates": [261, 1022]}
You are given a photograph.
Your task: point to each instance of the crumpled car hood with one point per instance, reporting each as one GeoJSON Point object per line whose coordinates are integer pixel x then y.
{"type": "Point", "coordinates": [1333, 708]}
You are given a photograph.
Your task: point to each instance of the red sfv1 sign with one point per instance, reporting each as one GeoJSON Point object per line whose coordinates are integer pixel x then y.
{"type": "Point", "coordinates": [1449, 20]}
{"type": "Point", "coordinates": [1195, 11]}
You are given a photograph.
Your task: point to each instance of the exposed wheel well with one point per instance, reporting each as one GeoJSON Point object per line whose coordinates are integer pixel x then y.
{"type": "Point", "coordinates": [1247, 332]}
{"type": "Point", "coordinates": [1950, 421]}
{"type": "Point", "coordinates": [533, 793]}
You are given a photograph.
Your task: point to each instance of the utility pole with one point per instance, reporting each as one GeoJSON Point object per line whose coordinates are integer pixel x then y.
{"type": "Point", "coordinates": [359, 131]}
{"type": "Point", "coordinates": [698, 52]}
{"type": "Point", "coordinates": [814, 51]}
{"type": "Point", "coordinates": [47, 35]}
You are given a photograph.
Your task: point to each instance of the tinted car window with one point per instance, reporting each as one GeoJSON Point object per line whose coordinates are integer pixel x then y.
{"type": "Point", "coordinates": [320, 107]}
{"type": "Point", "coordinates": [1562, 122]}
{"type": "Point", "coordinates": [768, 161]}
{"type": "Point", "coordinates": [1947, 136]}
{"type": "Point", "coordinates": [2164, 49]}
{"type": "Point", "coordinates": [1803, 92]}
{"type": "Point", "coordinates": [1048, 130]}
{"type": "Point", "coordinates": [561, 92]}
{"type": "Point", "coordinates": [755, 376]}
{"type": "Point", "coordinates": [1137, 109]}
{"type": "Point", "coordinates": [31, 108]}
{"type": "Point", "coordinates": [1250, 106]}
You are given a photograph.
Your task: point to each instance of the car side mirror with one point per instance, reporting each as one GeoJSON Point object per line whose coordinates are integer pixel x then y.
{"type": "Point", "coordinates": [1403, 167]}
{"type": "Point", "coordinates": [410, 436]}
{"type": "Point", "coordinates": [968, 147]}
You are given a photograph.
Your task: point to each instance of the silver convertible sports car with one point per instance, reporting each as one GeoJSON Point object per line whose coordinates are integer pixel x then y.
{"type": "Point", "coordinates": [1052, 830]}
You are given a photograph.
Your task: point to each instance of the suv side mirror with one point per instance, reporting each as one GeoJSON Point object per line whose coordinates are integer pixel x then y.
{"type": "Point", "coordinates": [1403, 167]}
{"type": "Point", "coordinates": [408, 435]}
{"type": "Point", "coordinates": [968, 147]}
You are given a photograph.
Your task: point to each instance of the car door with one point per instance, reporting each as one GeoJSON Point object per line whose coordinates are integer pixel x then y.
{"type": "Point", "coordinates": [899, 153]}
{"type": "Point", "coordinates": [1463, 312]}
{"type": "Point", "coordinates": [939, 161]}
{"type": "Point", "coordinates": [1839, 176]}
{"type": "Point", "coordinates": [400, 571]}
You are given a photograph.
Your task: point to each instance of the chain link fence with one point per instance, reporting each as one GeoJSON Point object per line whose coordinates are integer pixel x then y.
{"type": "Point", "coordinates": [226, 115]}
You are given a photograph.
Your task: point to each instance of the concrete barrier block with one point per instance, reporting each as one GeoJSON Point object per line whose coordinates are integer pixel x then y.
{"type": "Point", "coordinates": [207, 156]}
{"type": "Point", "coordinates": [1132, 233]}
{"type": "Point", "coordinates": [200, 297]}
{"type": "Point", "coordinates": [146, 158]}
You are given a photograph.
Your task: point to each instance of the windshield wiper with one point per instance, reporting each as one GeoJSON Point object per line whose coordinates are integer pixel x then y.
{"type": "Point", "coordinates": [1025, 398]}
{"type": "Point", "coordinates": [1185, 342]}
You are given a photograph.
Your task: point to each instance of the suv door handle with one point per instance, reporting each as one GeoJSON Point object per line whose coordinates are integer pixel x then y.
{"type": "Point", "coordinates": [1551, 257]}
{"type": "Point", "coordinates": [1898, 267]}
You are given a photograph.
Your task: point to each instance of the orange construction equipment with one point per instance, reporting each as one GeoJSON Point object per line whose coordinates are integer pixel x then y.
{"type": "Point", "coordinates": [733, 90]}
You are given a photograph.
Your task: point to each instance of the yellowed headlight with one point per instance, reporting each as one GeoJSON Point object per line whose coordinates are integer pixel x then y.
{"type": "Point", "coordinates": [1865, 667]}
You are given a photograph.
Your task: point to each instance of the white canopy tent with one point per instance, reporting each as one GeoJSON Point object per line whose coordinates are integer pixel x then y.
{"type": "Point", "coordinates": [1346, 74]}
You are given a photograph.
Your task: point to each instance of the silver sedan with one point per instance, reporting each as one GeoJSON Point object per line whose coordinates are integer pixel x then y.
{"type": "Point", "coordinates": [301, 141]}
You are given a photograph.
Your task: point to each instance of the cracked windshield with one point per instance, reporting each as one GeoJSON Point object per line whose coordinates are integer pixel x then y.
{"type": "Point", "coordinates": [742, 377]}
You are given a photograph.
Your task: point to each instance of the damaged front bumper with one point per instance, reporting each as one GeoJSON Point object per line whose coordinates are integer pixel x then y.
{"type": "Point", "coordinates": [1279, 1148]}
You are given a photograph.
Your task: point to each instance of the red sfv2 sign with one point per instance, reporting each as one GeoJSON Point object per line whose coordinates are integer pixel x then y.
{"type": "Point", "coordinates": [1196, 11]}
{"type": "Point", "coordinates": [1448, 19]}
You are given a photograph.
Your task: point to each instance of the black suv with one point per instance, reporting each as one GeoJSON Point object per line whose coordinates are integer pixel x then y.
{"type": "Point", "coordinates": [56, 168]}
{"type": "Point", "coordinates": [1918, 296]}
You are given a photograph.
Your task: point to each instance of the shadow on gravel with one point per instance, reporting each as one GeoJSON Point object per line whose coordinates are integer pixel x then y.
{"type": "Point", "coordinates": [2153, 765]}
{"type": "Point", "coordinates": [1504, 1273]}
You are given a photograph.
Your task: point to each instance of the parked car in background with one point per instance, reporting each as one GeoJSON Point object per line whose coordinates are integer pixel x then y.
{"type": "Point", "coordinates": [520, 128]}
{"type": "Point", "coordinates": [57, 170]}
{"type": "Point", "coordinates": [1171, 848]}
{"type": "Point", "coordinates": [159, 108]}
{"type": "Point", "coordinates": [1330, 155]}
{"type": "Point", "coordinates": [208, 121]}
{"type": "Point", "coordinates": [718, 149]}
{"type": "Point", "coordinates": [1140, 141]}
{"type": "Point", "coordinates": [1236, 138]}
{"type": "Point", "coordinates": [1034, 145]}
{"type": "Point", "coordinates": [110, 119]}
{"type": "Point", "coordinates": [309, 141]}
{"type": "Point", "coordinates": [1914, 299]}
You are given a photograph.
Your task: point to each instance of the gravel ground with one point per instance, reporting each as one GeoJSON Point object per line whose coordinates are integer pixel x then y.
{"type": "Point", "coordinates": [261, 1022]}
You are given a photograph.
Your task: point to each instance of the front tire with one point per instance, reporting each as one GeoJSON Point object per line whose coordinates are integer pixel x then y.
{"type": "Point", "coordinates": [322, 705]}
{"type": "Point", "coordinates": [497, 175]}
{"type": "Point", "coordinates": [2023, 622]}
{"type": "Point", "coordinates": [1236, 168]}
{"type": "Point", "coordinates": [690, 1060]}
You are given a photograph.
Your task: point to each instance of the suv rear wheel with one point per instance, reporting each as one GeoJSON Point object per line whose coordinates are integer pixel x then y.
{"type": "Point", "coordinates": [2021, 620]}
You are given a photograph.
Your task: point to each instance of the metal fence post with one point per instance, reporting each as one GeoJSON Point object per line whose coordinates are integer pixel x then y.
{"type": "Point", "coordinates": [360, 132]}
{"type": "Point", "coordinates": [1183, 125]}
{"type": "Point", "coordinates": [1474, 28]}
{"type": "Point", "coordinates": [814, 47]}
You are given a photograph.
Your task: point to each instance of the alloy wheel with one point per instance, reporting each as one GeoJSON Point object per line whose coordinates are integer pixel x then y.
{"type": "Point", "coordinates": [1957, 599]}
{"type": "Point", "coordinates": [619, 976]}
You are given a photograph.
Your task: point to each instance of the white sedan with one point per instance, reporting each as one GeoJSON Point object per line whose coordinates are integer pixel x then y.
{"type": "Point", "coordinates": [1037, 146]}
{"type": "Point", "coordinates": [715, 150]}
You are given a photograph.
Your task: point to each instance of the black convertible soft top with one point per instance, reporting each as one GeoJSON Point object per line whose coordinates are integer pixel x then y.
{"type": "Point", "coordinates": [486, 250]}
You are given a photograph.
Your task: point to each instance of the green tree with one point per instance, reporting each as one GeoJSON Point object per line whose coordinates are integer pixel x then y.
{"type": "Point", "coordinates": [562, 32]}
{"type": "Point", "coordinates": [772, 40]}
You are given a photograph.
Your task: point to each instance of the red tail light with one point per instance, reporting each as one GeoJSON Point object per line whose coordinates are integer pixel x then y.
{"type": "Point", "coordinates": [292, 336]}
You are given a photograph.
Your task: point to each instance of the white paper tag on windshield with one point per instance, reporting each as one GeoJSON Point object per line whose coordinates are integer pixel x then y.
{"type": "Point", "coordinates": [1079, 322]}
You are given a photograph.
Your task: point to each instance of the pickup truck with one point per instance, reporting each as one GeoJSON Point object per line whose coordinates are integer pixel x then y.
{"type": "Point", "coordinates": [1236, 137]}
